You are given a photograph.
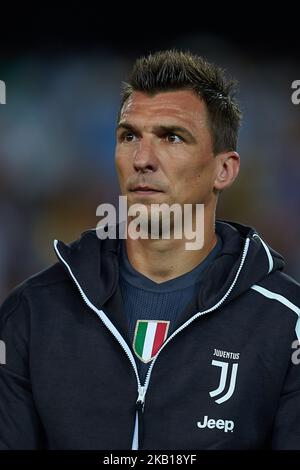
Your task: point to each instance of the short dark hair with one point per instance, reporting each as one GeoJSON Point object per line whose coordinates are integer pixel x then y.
{"type": "Point", "coordinates": [172, 70]}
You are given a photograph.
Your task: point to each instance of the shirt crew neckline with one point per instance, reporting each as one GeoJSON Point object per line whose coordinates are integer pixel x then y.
{"type": "Point", "coordinates": [139, 280]}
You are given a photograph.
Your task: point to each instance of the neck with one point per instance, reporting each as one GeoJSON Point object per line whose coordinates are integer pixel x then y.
{"type": "Point", "coordinates": [162, 260]}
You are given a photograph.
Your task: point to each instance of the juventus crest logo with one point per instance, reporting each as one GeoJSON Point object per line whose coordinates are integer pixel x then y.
{"type": "Point", "coordinates": [226, 369]}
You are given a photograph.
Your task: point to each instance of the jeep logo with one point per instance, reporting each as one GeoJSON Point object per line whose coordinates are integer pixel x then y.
{"type": "Point", "coordinates": [226, 424]}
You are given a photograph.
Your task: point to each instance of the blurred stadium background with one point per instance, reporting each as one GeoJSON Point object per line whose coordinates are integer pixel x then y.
{"type": "Point", "coordinates": [57, 135]}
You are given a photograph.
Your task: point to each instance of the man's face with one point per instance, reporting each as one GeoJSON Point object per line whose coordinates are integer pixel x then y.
{"type": "Point", "coordinates": [164, 149]}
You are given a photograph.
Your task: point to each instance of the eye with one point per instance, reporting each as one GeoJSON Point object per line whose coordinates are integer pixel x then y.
{"type": "Point", "coordinates": [127, 136]}
{"type": "Point", "coordinates": [173, 138]}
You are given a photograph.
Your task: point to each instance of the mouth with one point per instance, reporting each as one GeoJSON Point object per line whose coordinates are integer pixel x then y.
{"type": "Point", "coordinates": [145, 190]}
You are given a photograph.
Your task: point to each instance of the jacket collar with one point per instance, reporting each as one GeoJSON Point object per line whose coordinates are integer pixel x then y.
{"type": "Point", "coordinates": [94, 264]}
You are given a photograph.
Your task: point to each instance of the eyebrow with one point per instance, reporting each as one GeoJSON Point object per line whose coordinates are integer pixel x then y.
{"type": "Point", "coordinates": [161, 129]}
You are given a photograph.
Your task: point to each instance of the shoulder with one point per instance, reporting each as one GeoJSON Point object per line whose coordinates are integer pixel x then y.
{"type": "Point", "coordinates": [283, 291]}
{"type": "Point", "coordinates": [281, 284]}
{"type": "Point", "coordinates": [19, 297]}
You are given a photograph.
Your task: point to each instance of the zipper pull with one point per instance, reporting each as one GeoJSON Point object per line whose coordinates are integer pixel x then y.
{"type": "Point", "coordinates": [141, 396]}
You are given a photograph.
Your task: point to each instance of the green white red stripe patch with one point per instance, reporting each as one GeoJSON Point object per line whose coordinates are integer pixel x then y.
{"type": "Point", "coordinates": [148, 338]}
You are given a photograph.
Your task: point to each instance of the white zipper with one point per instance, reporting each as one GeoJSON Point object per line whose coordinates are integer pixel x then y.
{"type": "Point", "coordinates": [142, 390]}
{"type": "Point", "coordinates": [109, 325]}
{"type": "Point", "coordinates": [197, 315]}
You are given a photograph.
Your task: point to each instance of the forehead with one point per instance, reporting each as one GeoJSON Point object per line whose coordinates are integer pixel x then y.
{"type": "Point", "coordinates": [182, 106]}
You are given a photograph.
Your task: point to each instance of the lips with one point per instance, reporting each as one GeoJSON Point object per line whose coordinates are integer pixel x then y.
{"type": "Point", "coordinates": [145, 189]}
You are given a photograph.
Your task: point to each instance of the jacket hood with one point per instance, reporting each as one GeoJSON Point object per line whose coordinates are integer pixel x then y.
{"type": "Point", "coordinates": [245, 259]}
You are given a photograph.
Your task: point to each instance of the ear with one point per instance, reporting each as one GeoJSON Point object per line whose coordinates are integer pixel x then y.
{"type": "Point", "coordinates": [227, 169]}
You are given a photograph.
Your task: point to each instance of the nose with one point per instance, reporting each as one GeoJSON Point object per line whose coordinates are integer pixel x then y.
{"type": "Point", "coordinates": [145, 160]}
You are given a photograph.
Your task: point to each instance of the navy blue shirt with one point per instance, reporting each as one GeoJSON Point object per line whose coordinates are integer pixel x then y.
{"type": "Point", "coordinates": [152, 308]}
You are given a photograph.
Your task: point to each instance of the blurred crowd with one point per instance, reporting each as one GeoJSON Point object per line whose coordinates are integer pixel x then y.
{"type": "Point", "coordinates": [57, 150]}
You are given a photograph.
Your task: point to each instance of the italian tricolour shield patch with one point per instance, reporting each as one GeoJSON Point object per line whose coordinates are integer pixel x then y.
{"type": "Point", "coordinates": [149, 336]}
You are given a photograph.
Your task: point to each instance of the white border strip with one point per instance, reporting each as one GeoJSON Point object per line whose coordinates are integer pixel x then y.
{"type": "Point", "coordinates": [270, 259]}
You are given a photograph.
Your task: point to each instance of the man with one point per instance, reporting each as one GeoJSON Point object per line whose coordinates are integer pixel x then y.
{"type": "Point", "coordinates": [141, 343]}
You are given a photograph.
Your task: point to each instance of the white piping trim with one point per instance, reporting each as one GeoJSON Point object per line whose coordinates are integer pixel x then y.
{"type": "Point", "coordinates": [270, 259]}
{"type": "Point", "coordinates": [280, 298]}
